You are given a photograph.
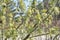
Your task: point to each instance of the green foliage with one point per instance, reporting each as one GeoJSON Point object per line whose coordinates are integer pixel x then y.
{"type": "Point", "coordinates": [24, 24]}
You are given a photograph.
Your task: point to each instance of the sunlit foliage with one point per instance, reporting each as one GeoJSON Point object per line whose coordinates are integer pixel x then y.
{"type": "Point", "coordinates": [30, 21]}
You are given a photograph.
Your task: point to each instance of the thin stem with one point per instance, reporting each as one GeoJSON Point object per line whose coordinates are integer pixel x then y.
{"type": "Point", "coordinates": [55, 36]}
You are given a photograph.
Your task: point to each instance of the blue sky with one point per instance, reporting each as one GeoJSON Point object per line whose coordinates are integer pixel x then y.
{"type": "Point", "coordinates": [27, 2]}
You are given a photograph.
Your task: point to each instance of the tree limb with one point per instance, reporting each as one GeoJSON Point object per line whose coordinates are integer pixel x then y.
{"type": "Point", "coordinates": [35, 26]}
{"type": "Point", "coordinates": [39, 35]}
{"type": "Point", "coordinates": [31, 32]}
{"type": "Point", "coordinates": [19, 25]}
{"type": "Point", "coordinates": [56, 36]}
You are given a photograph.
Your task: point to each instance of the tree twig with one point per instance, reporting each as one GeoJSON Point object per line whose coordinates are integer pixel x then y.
{"type": "Point", "coordinates": [35, 27]}
{"type": "Point", "coordinates": [39, 35]}
{"type": "Point", "coordinates": [56, 36]}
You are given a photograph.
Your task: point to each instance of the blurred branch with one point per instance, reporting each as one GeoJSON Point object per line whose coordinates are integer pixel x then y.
{"type": "Point", "coordinates": [19, 25]}
{"type": "Point", "coordinates": [0, 21]}
{"type": "Point", "coordinates": [56, 36]}
{"type": "Point", "coordinates": [39, 35]}
{"type": "Point", "coordinates": [35, 26]}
